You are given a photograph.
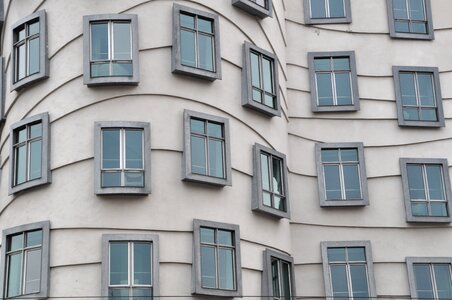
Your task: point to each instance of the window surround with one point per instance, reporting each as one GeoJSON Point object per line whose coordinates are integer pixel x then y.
{"type": "Point", "coordinates": [43, 52]}
{"type": "Point", "coordinates": [321, 176]}
{"type": "Point", "coordinates": [196, 266]}
{"type": "Point", "coordinates": [436, 89]}
{"type": "Point", "coordinates": [176, 59]}
{"type": "Point", "coordinates": [430, 35]}
{"type": "Point", "coordinates": [46, 174]}
{"type": "Point", "coordinates": [45, 269]}
{"type": "Point", "coordinates": [186, 160]}
{"type": "Point", "coordinates": [406, 191]}
{"type": "Point", "coordinates": [355, 106]}
{"type": "Point", "coordinates": [254, 8]}
{"type": "Point", "coordinates": [257, 198]}
{"type": "Point", "coordinates": [152, 238]}
{"type": "Point", "coordinates": [347, 244]}
{"type": "Point", "coordinates": [310, 21]}
{"type": "Point", "coordinates": [247, 89]}
{"type": "Point", "coordinates": [123, 190]}
{"type": "Point", "coordinates": [2, 88]}
{"type": "Point", "coordinates": [267, 272]}
{"type": "Point", "coordinates": [110, 80]}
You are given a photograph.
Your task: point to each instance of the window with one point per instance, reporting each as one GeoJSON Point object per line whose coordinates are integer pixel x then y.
{"type": "Point", "coordinates": [410, 19]}
{"type": "Point", "coordinates": [426, 188]}
{"type": "Point", "coordinates": [260, 8]}
{"type": "Point", "coordinates": [2, 85]}
{"type": "Point", "coordinates": [418, 96]}
{"type": "Point", "coordinates": [278, 276]}
{"type": "Point", "coordinates": [334, 83]}
{"type": "Point", "coordinates": [207, 154]}
{"type": "Point", "coordinates": [327, 11]}
{"type": "Point", "coordinates": [270, 182]}
{"type": "Point", "coordinates": [130, 266]}
{"type": "Point", "coordinates": [196, 43]}
{"type": "Point", "coordinates": [216, 266]}
{"type": "Point", "coordinates": [348, 270]}
{"type": "Point", "coordinates": [260, 81]}
{"type": "Point", "coordinates": [122, 158]}
{"type": "Point", "coordinates": [25, 261]}
{"type": "Point", "coordinates": [30, 61]}
{"type": "Point", "coordinates": [110, 50]}
{"type": "Point", "coordinates": [30, 147]}
{"type": "Point", "coordinates": [341, 174]}
{"type": "Point", "coordinates": [430, 277]}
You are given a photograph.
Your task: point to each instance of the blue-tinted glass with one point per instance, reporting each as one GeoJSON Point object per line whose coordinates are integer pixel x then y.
{"type": "Point", "coordinates": [198, 155]}
{"type": "Point", "coordinates": [100, 70]}
{"type": "Point", "coordinates": [265, 172]}
{"type": "Point", "coordinates": [269, 100]}
{"type": "Point", "coordinates": [134, 148]}
{"type": "Point", "coordinates": [349, 155]}
{"type": "Point", "coordinates": [99, 41]}
{"type": "Point", "coordinates": [337, 8]}
{"type": "Point", "coordinates": [14, 275]}
{"type": "Point", "coordinates": [415, 181]}
{"type": "Point", "coordinates": [35, 130]}
{"type": "Point", "coordinates": [339, 281]}
{"type": "Point", "coordinates": [21, 166]}
{"type": "Point", "coordinates": [141, 294]}
{"type": "Point", "coordinates": [122, 45]}
{"type": "Point", "coordinates": [215, 130]}
{"type": "Point", "coordinates": [267, 75]}
{"type": "Point", "coordinates": [341, 63]}
{"type": "Point", "coordinates": [336, 254]}
{"type": "Point", "coordinates": [257, 95]}
{"type": "Point", "coordinates": [33, 28]}
{"type": "Point", "coordinates": [322, 64]}
{"type": "Point", "coordinates": [263, 3]}
{"type": "Point", "coordinates": [351, 182]}
{"type": "Point", "coordinates": [358, 274]}
{"type": "Point", "coordinates": [207, 235]}
{"type": "Point", "coordinates": [279, 203]}
{"type": "Point", "coordinates": [356, 254]}
{"type": "Point", "coordinates": [419, 209]}
{"type": "Point", "coordinates": [205, 25]}
{"type": "Point", "coordinates": [419, 27]}
{"type": "Point", "coordinates": [142, 263]}
{"type": "Point", "coordinates": [21, 34]}
{"type": "Point", "coordinates": [324, 89]}
{"type": "Point", "coordinates": [225, 237]}
{"type": "Point", "coordinates": [410, 114]}
{"type": "Point", "coordinates": [318, 9]}
{"type": "Point", "coordinates": [216, 158]}
{"type": "Point", "coordinates": [332, 183]}
{"type": "Point", "coordinates": [266, 198]}
{"type": "Point", "coordinates": [205, 46]}
{"type": "Point", "coordinates": [343, 89]}
{"type": "Point", "coordinates": [121, 69]}
{"type": "Point", "coordinates": [34, 238]}
{"type": "Point", "coordinates": [33, 56]}
{"type": "Point", "coordinates": [402, 26]}
{"type": "Point", "coordinates": [119, 263]}
{"type": "Point", "coordinates": [438, 209]}
{"type": "Point", "coordinates": [134, 179]}
{"type": "Point", "coordinates": [423, 281]}
{"type": "Point", "coordinates": [110, 148]}
{"type": "Point", "coordinates": [16, 242]}
{"type": "Point", "coordinates": [255, 76]}
{"type": "Point", "coordinates": [21, 135]}
{"type": "Point", "coordinates": [277, 181]}
{"type": "Point", "coordinates": [417, 10]}
{"type": "Point", "coordinates": [110, 179]}
{"type": "Point", "coordinates": [428, 114]}
{"type": "Point", "coordinates": [33, 271]}
{"type": "Point", "coordinates": [197, 126]}
{"type": "Point", "coordinates": [35, 159]}
{"type": "Point", "coordinates": [208, 273]}
{"type": "Point", "coordinates": [275, 279]}
{"type": "Point", "coordinates": [21, 63]}
{"type": "Point", "coordinates": [226, 269]}
{"type": "Point", "coordinates": [330, 155]}
{"type": "Point", "coordinates": [285, 280]}
{"type": "Point", "coordinates": [435, 182]}
{"type": "Point", "coordinates": [443, 281]}
{"type": "Point", "coordinates": [426, 95]}
{"type": "Point", "coordinates": [400, 9]}
{"type": "Point", "coordinates": [407, 88]}
{"type": "Point", "coordinates": [187, 21]}
{"type": "Point", "coordinates": [187, 48]}
{"type": "Point", "coordinates": [118, 294]}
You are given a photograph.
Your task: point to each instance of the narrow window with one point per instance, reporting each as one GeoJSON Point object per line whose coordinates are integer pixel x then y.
{"type": "Point", "coordinates": [278, 276]}
{"type": "Point", "coordinates": [410, 19]}
{"type": "Point", "coordinates": [327, 11]}
{"type": "Point", "coordinates": [260, 8]}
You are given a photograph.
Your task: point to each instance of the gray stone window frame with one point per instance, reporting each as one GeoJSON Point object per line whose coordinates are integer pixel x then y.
{"type": "Point", "coordinates": [110, 80]}
{"type": "Point", "coordinates": [410, 261]}
{"type": "Point", "coordinates": [247, 88]}
{"type": "Point", "coordinates": [406, 191]}
{"type": "Point", "coordinates": [176, 61]}
{"type": "Point", "coordinates": [257, 198]}
{"type": "Point", "coordinates": [2, 88]}
{"type": "Point", "coordinates": [437, 90]}
{"type": "Point", "coordinates": [187, 174]}
{"type": "Point", "coordinates": [43, 52]}
{"type": "Point", "coordinates": [125, 190]}
{"type": "Point", "coordinates": [46, 174]}
{"type": "Point", "coordinates": [347, 244]}
{"type": "Point", "coordinates": [311, 21]}
{"type": "Point", "coordinates": [254, 8]}
{"type": "Point", "coordinates": [354, 81]}
{"type": "Point", "coordinates": [152, 238]}
{"type": "Point", "coordinates": [416, 36]}
{"type": "Point", "coordinates": [45, 256]}
{"type": "Point", "coordinates": [197, 288]}
{"type": "Point", "coordinates": [266, 287]}
{"type": "Point", "coordinates": [321, 176]}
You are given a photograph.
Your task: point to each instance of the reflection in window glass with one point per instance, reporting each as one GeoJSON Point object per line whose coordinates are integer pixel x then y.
{"type": "Point", "coordinates": [262, 79]}
{"type": "Point", "coordinates": [327, 9]}
{"type": "Point", "coordinates": [410, 16]}
{"type": "Point", "coordinates": [26, 50]}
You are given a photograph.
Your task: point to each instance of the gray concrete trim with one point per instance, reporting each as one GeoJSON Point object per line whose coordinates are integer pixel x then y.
{"type": "Point", "coordinates": [406, 190]}
{"type": "Point", "coordinates": [266, 287]}
{"type": "Point", "coordinates": [186, 157]}
{"type": "Point", "coordinates": [321, 176]}
{"type": "Point", "coordinates": [45, 267]}
{"type": "Point", "coordinates": [2, 87]}
{"type": "Point", "coordinates": [247, 89]}
{"type": "Point", "coordinates": [309, 20]}
{"type": "Point", "coordinates": [410, 261]}
{"type": "Point", "coordinates": [46, 174]}
{"type": "Point", "coordinates": [43, 52]}
{"type": "Point", "coordinates": [257, 201]}
{"type": "Point", "coordinates": [437, 89]}
{"type": "Point", "coordinates": [354, 81]}
{"type": "Point", "coordinates": [176, 62]}
{"type": "Point", "coordinates": [196, 266]}
{"type": "Point", "coordinates": [255, 9]}
{"type": "Point", "coordinates": [153, 238]}
{"type": "Point", "coordinates": [369, 261]}
{"type": "Point", "coordinates": [125, 190]}
{"type": "Point", "coordinates": [415, 36]}
{"type": "Point", "coordinates": [110, 80]}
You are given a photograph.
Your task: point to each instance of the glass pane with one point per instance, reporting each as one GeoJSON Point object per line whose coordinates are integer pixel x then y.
{"type": "Point", "coordinates": [205, 25]}
{"type": "Point", "coordinates": [443, 281]}
{"type": "Point", "coordinates": [356, 254]}
{"type": "Point", "coordinates": [400, 9]}
{"type": "Point", "coordinates": [330, 155]}
{"type": "Point", "coordinates": [343, 89]}
{"type": "Point", "coordinates": [134, 149]}
{"type": "Point", "coordinates": [21, 63]}
{"type": "Point", "coordinates": [349, 155]}
{"type": "Point", "coordinates": [275, 279]}
{"type": "Point", "coordinates": [257, 95]}
{"type": "Point", "coordinates": [118, 294]}
{"type": "Point", "coordinates": [99, 41]}
{"type": "Point", "coordinates": [21, 34]}
{"type": "Point", "coordinates": [215, 130]}
{"type": "Point", "coordinates": [35, 130]}
{"type": "Point", "coordinates": [121, 69]}
{"type": "Point", "coordinates": [33, 56]}
{"type": "Point", "coordinates": [419, 209]}
{"type": "Point", "coordinates": [110, 148]}
{"type": "Point", "coordinates": [16, 242]}
{"type": "Point", "coordinates": [277, 182]}
{"type": "Point", "coordinates": [119, 263]}
{"type": "Point", "coordinates": [266, 199]}
{"type": "Point", "coordinates": [262, 3]}
{"type": "Point", "coordinates": [285, 280]}
{"type": "Point", "coordinates": [426, 95]}
{"type": "Point", "coordinates": [34, 238]}
{"type": "Point", "coordinates": [428, 114]}
{"type": "Point", "coordinates": [417, 9]}
{"type": "Point", "coordinates": [14, 275]}
{"type": "Point", "coordinates": [198, 155]}
{"type": "Point", "coordinates": [279, 203]}
{"type": "Point", "coordinates": [21, 167]}
{"type": "Point", "coordinates": [265, 172]}
{"type": "Point", "coordinates": [438, 209]}
{"type": "Point", "coordinates": [423, 281]}
{"type": "Point", "coordinates": [35, 159]}
{"type": "Point", "coordinates": [267, 74]}
{"type": "Point", "coordinates": [100, 69]}
{"type": "Point", "coordinates": [324, 89]}
{"type": "Point", "coordinates": [318, 9]}
{"type": "Point", "coordinates": [341, 63]}
{"type": "Point", "coordinates": [419, 27]}
{"type": "Point", "coordinates": [358, 274]}
{"type": "Point", "coordinates": [111, 179]}
{"type": "Point", "coordinates": [255, 75]}
{"type": "Point", "coordinates": [351, 182]}
{"type": "Point", "coordinates": [339, 281]}
{"type": "Point", "coordinates": [33, 271]}
{"type": "Point", "coordinates": [401, 26]}
{"type": "Point", "coordinates": [21, 135]}
{"type": "Point", "coordinates": [197, 126]}
{"type": "Point", "coordinates": [187, 21]}
{"type": "Point", "coordinates": [122, 45]}
{"type": "Point", "coordinates": [134, 179]}
{"type": "Point", "coordinates": [410, 114]}
{"type": "Point", "coordinates": [332, 183]}
{"type": "Point", "coordinates": [336, 254]}
{"type": "Point", "coordinates": [216, 158]}
{"type": "Point", "coordinates": [322, 64]}
{"type": "Point", "coordinates": [226, 269]}
{"type": "Point", "coordinates": [187, 48]}
{"type": "Point", "coordinates": [435, 182]}
{"type": "Point", "coordinates": [206, 54]}
{"type": "Point", "coordinates": [337, 9]}
{"type": "Point", "coordinates": [142, 263]}
{"type": "Point", "coordinates": [207, 235]}
{"type": "Point", "coordinates": [141, 293]}
{"type": "Point", "coordinates": [208, 264]}
{"type": "Point", "coordinates": [415, 181]}
{"type": "Point", "coordinates": [225, 237]}
{"type": "Point", "coordinates": [33, 28]}
{"type": "Point", "coordinates": [407, 88]}
{"type": "Point", "coordinates": [269, 100]}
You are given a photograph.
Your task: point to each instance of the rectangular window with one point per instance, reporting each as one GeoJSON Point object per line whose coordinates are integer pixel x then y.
{"type": "Point", "coordinates": [341, 174]}
{"type": "Point", "coordinates": [426, 189]}
{"type": "Point", "coordinates": [410, 19]}
{"type": "Point", "coordinates": [278, 276]}
{"type": "Point", "coordinates": [196, 43]}
{"type": "Point", "coordinates": [418, 96]}
{"type": "Point", "coordinates": [217, 259]}
{"type": "Point", "coordinates": [260, 8]}
{"type": "Point", "coordinates": [348, 270]}
{"type": "Point", "coordinates": [334, 84]}
{"type": "Point", "coordinates": [327, 11]}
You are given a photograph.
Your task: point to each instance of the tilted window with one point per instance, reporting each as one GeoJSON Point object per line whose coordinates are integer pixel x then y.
{"type": "Point", "coordinates": [410, 19]}
{"type": "Point", "coordinates": [260, 8]}
{"type": "Point", "coordinates": [327, 11]}
{"type": "Point", "coordinates": [334, 84]}
{"type": "Point", "coordinates": [196, 43]}
{"type": "Point", "coordinates": [278, 281]}
{"type": "Point", "coordinates": [427, 190]}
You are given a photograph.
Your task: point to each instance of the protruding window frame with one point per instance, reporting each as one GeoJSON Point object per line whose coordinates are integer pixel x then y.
{"type": "Point", "coordinates": [267, 289]}
{"type": "Point", "coordinates": [254, 8]}
{"type": "Point", "coordinates": [311, 21]}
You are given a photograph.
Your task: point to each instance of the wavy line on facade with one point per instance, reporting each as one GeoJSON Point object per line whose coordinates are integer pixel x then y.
{"type": "Point", "coordinates": [280, 21]}
{"type": "Point", "coordinates": [365, 227]}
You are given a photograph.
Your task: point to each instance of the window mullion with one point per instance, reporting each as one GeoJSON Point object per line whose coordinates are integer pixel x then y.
{"type": "Point", "coordinates": [217, 261]}
{"type": "Point", "coordinates": [342, 180]}
{"type": "Point", "coordinates": [433, 278]}
{"type": "Point", "coordinates": [349, 280]}
{"type": "Point", "coordinates": [131, 267]}
{"type": "Point", "coordinates": [418, 97]}
{"type": "Point", "coordinates": [23, 268]}
{"type": "Point", "coordinates": [270, 174]}
{"type": "Point", "coordinates": [196, 43]}
{"type": "Point", "coordinates": [110, 47]}
{"type": "Point", "coordinates": [122, 155]}
{"type": "Point", "coordinates": [206, 147]}
{"type": "Point", "coordinates": [426, 188]}
{"type": "Point", "coordinates": [327, 8]}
